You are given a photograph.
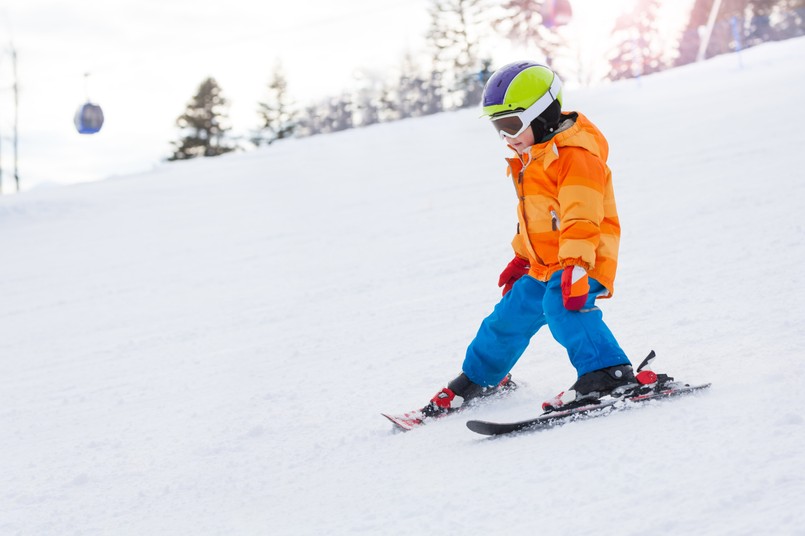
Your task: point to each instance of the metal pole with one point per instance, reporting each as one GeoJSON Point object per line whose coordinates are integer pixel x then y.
{"type": "Point", "coordinates": [736, 36]}
{"type": "Point", "coordinates": [711, 21]}
{"type": "Point", "coordinates": [16, 115]}
{"type": "Point", "coordinates": [1, 142]}
{"type": "Point", "coordinates": [1, 165]}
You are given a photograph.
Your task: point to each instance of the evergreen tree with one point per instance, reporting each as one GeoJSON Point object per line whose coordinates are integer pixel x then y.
{"type": "Point", "coordinates": [640, 49]}
{"type": "Point", "coordinates": [758, 28]}
{"type": "Point", "coordinates": [721, 35]}
{"type": "Point", "coordinates": [276, 113]}
{"type": "Point", "coordinates": [203, 124]}
{"type": "Point", "coordinates": [453, 36]}
{"type": "Point", "coordinates": [367, 106]}
{"type": "Point", "coordinates": [368, 99]}
{"type": "Point", "coordinates": [416, 92]}
{"type": "Point", "coordinates": [690, 40]}
{"type": "Point", "coordinates": [332, 114]}
{"type": "Point", "coordinates": [410, 93]}
{"type": "Point", "coordinates": [309, 122]}
{"type": "Point", "coordinates": [521, 22]}
{"type": "Point", "coordinates": [722, 40]}
{"type": "Point", "coordinates": [390, 103]}
{"type": "Point", "coordinates": [792, 23]}
{"type": "Point", "coordinates": [337, 113]}
{"type": "Point", "coordinates": [432, 93]}
{"type": "Point", "coordinates": [757, 21]}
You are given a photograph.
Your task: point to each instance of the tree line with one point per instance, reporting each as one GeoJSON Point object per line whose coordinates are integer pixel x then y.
{"type": "Point", "coordinates": [455, 75]}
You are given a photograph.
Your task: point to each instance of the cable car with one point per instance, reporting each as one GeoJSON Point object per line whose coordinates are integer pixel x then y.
{"type": "Point", "coordinates": [88, 118]}
{"type": "Point", "coordinates": [556, 13]}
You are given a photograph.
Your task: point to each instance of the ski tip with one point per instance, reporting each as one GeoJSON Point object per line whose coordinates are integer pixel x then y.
{"type": "Point", "coordinates": [402, 423]}
{"type": "Point", "coordinates": [480, 427]}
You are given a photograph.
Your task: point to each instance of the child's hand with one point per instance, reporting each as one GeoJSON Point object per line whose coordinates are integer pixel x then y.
{"type": "Point", "coordinates": [516, 269]}
{"type": "Point", "coordinates": [575, 287]}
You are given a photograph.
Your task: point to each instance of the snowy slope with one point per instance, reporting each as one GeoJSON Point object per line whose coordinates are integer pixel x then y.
{"type": "Point", "coordinates": [205, 349]}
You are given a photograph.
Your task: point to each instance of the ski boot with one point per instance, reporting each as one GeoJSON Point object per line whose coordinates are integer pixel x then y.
{"type": "Point", "coordinates": [460, 392]}
{"type": "Point", "coordinates": [615, 381]}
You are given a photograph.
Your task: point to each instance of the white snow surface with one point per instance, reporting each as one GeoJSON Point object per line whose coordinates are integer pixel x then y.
{"type": "Point", "coordinates": [206, 348]}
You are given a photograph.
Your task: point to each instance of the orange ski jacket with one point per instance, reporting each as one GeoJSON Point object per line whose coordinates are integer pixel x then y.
{"type": "Point", "coordinates": [566, 211]}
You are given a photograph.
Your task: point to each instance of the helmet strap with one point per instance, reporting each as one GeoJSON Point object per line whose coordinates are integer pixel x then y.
{"type": "Point", "coordinates": [546, 123]}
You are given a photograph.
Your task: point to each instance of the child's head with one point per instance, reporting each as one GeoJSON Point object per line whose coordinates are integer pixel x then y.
{"type": "Point", "coordinates": [521, 97]}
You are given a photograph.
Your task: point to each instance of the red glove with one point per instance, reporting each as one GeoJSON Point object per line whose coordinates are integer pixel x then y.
{"type": "Point", "coordinates": [516, 269]}
{"type": "Point", "coordinates": [575, 287]}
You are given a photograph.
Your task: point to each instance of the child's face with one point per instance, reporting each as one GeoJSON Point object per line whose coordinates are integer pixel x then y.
{"type": "Point", "coordinates": [522, 142]}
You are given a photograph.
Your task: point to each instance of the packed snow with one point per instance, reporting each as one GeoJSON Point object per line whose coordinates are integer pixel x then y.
{"type": "Point", "coordinates": [206, 348]}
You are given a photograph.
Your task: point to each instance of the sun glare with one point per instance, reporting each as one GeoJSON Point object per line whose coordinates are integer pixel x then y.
{"type": "Point", "coordinates": [593, 23]}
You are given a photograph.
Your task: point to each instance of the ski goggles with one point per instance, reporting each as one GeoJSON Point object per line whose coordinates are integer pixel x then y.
{"type": "Point", "coordinates": [512, 124]}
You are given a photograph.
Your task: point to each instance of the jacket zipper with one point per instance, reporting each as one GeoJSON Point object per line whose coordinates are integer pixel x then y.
{"type": "Point", "coordinates": [554, 220]}
{"type": "Point", "coordinates": [521, 195]}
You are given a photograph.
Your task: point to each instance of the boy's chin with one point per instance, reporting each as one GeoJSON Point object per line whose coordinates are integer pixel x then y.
{"type": "Point", "coordinates": [521, 148]}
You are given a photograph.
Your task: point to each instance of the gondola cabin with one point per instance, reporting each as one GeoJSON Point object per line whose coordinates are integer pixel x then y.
{"type": "Point", "coordinates": [88, 118]}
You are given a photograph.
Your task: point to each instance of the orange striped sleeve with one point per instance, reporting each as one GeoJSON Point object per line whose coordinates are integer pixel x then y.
{"type": "Point", "coordinates": [581, 190]}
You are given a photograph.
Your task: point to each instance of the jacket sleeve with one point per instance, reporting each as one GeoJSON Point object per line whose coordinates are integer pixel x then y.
{"type": "Point", "coordinates": [518, 246]}
{"type": "Point", "coordinates": [582, 180]}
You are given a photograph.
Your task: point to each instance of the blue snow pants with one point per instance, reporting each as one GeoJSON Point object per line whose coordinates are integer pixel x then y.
{"type": "Point", "coordinates": [529, 305]}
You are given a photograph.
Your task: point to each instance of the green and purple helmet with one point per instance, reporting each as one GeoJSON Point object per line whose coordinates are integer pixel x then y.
{"type": "Point", "coordinates": [518, 93]}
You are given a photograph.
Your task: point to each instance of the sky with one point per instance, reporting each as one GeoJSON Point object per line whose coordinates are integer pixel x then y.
{"type": "Point", "coordinates": [142, 61]}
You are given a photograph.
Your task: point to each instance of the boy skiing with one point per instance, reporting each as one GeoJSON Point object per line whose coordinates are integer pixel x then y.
{"type": "Point", "coordinates": [565, 248]}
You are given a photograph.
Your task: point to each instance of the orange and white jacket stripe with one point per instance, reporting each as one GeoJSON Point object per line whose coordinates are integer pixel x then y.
{"type": "Point", "coordinates": [566, 208]}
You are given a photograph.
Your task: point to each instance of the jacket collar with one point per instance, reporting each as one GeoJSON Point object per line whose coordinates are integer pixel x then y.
{"type": "Point", "coordinates": [575, 131]}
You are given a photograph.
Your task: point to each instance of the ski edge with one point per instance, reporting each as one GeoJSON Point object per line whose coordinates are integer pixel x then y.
{"type": "Point", "coordinates": [490, 428]}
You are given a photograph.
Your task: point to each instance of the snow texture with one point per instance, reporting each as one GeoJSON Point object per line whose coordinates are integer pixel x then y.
{"type": "Point", "coordinates": [206, 348]}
